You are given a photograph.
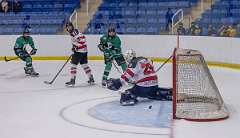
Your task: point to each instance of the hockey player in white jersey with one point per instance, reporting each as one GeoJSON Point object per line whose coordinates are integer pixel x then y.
{"type": "Point", "coordinates": [80, 52]}
{"type": "Point", "coordinates": [141, 74]}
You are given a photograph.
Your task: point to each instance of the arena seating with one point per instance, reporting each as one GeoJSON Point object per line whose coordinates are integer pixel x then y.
{"type": "Point", "coordinates": [135, 17]}
{"type": "Point", "coordinates": [225, 12]}
{"type": "Point", "coordinates": [43, 16]}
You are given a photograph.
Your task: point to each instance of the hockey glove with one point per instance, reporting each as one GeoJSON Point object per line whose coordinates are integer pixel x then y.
{"type": "Point", "coordinates": [33, 51]}
{"type": "Point", "coordinates": [101, 47]}
{"type": "Point", "coordinates": [110, 45]}
{"type": "Point", "coordinates": [74, 48]}
{"type": "Point", "coordinates": [114, 84]}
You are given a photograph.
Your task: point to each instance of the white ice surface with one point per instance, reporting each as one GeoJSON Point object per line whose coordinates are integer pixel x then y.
{"type": "Point", "coordinates": [31, 109]}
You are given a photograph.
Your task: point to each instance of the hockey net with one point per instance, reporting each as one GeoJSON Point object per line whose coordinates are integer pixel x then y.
{"type": "Point", "coordinates": [195, 94]}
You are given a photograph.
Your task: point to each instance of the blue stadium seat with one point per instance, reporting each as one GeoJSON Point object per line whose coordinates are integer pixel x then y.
{"type": "Point", "coordinates": [152, 20]}
{"type": "Point", "coordinates": [142, 20]}
{"type": "Point", "coordinates": [151, 13]}
{"type": "Point", "coordinates": [222, 12]}
{"type": "Point", "coordinates": [131, 30]}
{"type": "Point", "coordinates": [130, 13]}
{"type": "Point", "coordinates": [141, 30]}
{"type": "Point", "coordinates": [42, 13]}
{"type": "Point", "coordinates": [136, 15]}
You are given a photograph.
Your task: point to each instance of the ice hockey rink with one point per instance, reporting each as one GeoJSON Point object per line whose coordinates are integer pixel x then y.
{"type": "Point", "coordinates": [32, 109]}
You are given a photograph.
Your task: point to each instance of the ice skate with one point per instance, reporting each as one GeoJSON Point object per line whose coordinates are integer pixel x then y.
{"type": "Point", "coordinates": [104, 83]}
{"type": "Point", "coordinates": [34, 74]}
{"type": "Point", "coordinates": [127, 99]}
{"type": "Point", "coordinates": [71, 82]}
{"type": "Point", "coordinates": [30, 71]}
{"type": "Point", "coordinates": [91, 80]}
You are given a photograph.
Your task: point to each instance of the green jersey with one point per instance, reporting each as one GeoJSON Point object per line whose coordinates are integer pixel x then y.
{"type": "Point", "coordinates": [22, 42]}
{"type": "Point", "coordinates": [115, 43]}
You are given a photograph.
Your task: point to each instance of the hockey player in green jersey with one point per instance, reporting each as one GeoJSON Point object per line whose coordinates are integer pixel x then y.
{"type": "Point", "coordinates": [110, 45]}
{"type": "Point", "coordinates": [20, 50]}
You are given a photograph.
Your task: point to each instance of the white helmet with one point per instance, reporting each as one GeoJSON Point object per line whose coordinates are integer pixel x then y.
{"type": "Point", "coordinates": [129, 55]}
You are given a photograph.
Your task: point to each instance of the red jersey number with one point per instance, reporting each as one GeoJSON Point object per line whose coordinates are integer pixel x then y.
{"type": "Point", "coordinates": [148, 68]}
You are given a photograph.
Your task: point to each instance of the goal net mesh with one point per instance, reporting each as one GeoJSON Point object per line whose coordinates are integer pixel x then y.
{"type": "Point", "coordinates": [195, 94]}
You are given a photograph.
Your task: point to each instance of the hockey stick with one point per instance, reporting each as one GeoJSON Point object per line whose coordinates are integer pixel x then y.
{"type": "Point", "coordinates": [116, 67]}
{"type": "Point", "coordinates": [164, 63]}
{"type": "Point", "coordinates": [54, 78]}
{"type": "Point", "coordinates": [6, 60]}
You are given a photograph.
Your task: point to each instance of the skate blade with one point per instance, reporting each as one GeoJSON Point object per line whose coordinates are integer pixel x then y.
{"type": "Point", "coordinates": [29, 75]}
{"type": "Point", "coordinates": [92, 83]}
{"type": "Point", "coordinates": [80, 85]}
{"type": "Point", "coordinates": [70, 86]}
{"type": "Point", "coordinates": [130, 103]}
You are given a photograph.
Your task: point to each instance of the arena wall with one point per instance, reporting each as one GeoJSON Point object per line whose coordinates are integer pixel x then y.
{"type": "Point", "coordinates": [217, 50]}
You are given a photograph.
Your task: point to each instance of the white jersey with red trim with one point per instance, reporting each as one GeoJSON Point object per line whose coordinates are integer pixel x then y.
{"type": "Point", "coordinates": [141, 72]}
{"type": "Point", "coordinates": [79, 41]}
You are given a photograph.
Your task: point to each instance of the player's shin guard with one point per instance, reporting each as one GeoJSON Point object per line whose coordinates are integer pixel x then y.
{"type": "Point", "coordinates": [29, 70]}
{"type": "Point", "coordinates": [73, 71]}
{"type": "Point", "coordinates": [106, 73]}
{"type": "Point", "coordinates": [87, 70]}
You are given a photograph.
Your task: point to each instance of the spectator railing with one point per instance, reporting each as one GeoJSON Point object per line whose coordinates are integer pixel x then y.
{"type": "Point", "coordinates": [175, 16]}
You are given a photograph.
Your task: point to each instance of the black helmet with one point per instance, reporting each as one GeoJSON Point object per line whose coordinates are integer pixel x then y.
{"type": "Point", "coordinates": [111, 29]}
{"type": "Point", "coordinates": [26, 30]}
{"type": "Point", "coordinates": [69, 24]}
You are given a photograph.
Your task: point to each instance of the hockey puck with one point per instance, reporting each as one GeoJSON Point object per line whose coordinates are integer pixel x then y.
{"type": "Point", "coordinates": [150, 107]}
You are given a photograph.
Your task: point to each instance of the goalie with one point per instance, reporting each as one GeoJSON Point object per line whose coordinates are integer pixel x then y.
{"type": "Point", "coordinates": [141, 74]}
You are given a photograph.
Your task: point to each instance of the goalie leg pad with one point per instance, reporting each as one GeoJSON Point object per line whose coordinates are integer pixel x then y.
{"type": "Point", "coordinates": [107, 57]}
{"type": "Point", "coordinates": [144, 92]}
{"type": "Point", "coordinates": [164, 94]}
{"type": "Point", "coordinates": [128, 99]}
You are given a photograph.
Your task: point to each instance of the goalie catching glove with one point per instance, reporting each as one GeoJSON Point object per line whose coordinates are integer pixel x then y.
{"type": "Point", "coordinates": [114, 84]}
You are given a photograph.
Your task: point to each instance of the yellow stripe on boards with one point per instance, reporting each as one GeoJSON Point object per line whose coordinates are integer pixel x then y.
{"type": "Point", "coordinates": [210, 63]}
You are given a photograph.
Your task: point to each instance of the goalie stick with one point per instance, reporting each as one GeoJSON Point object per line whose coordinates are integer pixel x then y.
{"type": "Point", "coordinates": [54, 78]}
{"type": "Point", "coordinates": [164, 63]}
{"type": "Point", "coordinates": [6, 60]}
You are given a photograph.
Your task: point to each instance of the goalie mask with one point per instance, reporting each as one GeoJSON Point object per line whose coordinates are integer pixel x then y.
{"type": "Point", "coordinates": [129, 55]}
